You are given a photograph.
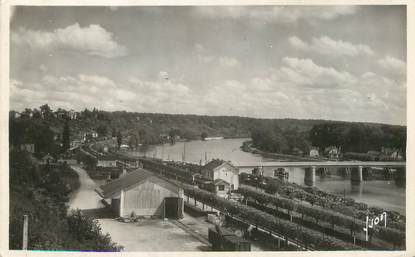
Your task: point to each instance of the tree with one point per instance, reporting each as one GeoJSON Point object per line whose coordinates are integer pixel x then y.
{"type": "Point", "coordinates": [270, 139]}
{"type": "Point", "coordinates": [173, 133]}
{"type": "Point", "coordinates": [26, 113]}
{"type": "Point", "coordinates": [66, 137]}
{"type": "Point", "coordinates": [133, 141]}
{"type": "Point", "coordinates": [36, 114]}
{"type": "Point", "coordinates": [45, 111]}
{"type": "Point", "coordinates": [141, 135]}
{"type": "Point", "coordinates": [102, 130]}
{"type": "Point", "coordinates": [119, 139]}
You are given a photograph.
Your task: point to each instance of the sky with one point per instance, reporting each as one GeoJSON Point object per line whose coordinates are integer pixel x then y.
{"type": "Point", "coordinates": [307, 62]}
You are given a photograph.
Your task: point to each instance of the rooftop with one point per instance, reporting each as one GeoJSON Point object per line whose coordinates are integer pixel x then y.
{"type": "Point", "coordinates": [135, 177]}
{"type": "Point", "coordinates": [214, 164]}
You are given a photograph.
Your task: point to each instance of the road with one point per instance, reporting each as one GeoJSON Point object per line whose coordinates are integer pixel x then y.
{"type": "Point", "coordinates": [145, 235]}
{"type": "Point", "coordinates": [85, 197]}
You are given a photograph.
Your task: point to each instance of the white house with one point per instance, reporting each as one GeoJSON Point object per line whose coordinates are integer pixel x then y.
{"type": "Point", "coordinates": [219, 169]}
{"type": "Point", "coordinates": [314, 152]}
{"type": "Point", "coordinates": [106, 162]}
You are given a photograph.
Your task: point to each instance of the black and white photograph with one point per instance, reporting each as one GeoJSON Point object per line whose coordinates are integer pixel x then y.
{"type": "Point", "coordinates": [200, 128]}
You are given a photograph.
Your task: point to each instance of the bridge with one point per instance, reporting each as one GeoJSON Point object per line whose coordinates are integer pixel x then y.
{"type": "Point", "coordinates": [354, 168]}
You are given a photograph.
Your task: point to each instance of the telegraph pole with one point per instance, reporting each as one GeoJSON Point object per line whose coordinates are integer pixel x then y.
{"type": "Point", "coordinates": [25, 231]}
{"type": "Point", "coordinates": [184, 151]}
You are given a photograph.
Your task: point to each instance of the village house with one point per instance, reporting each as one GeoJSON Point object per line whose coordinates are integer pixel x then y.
{"type": "Point", "coordinates": [332, 152]}
{"type": "Point", "coordinates": [392, 152]}
{"type": "Point", "coordinates": [28, 148]}
{"type": "Point", "coordinates": [219, 169]}
{"type": "Point", "coordinates": [164, 136]}
{"type": "Point", "coordinates": [104, 161]}
{"type": "Point", "coordinates": [314, 152]}
{"type": "Point", "coordinates": [47, 159]}
{"type": "Point", "coordinates": [92, 134]}
{"type": "Point", "coordinates": [73, 115]}
{"type": "Point", "coordinates": [60, 114]}
{"type": "Point", "coordinates": [15, 114]}
{"type": "Point", "coordinates": [124, 146]}
{"type": "Point", "coordinates": [143, 194]}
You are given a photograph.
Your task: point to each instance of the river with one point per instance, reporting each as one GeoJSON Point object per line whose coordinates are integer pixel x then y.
{"type": "Point", "coordinates": [383, 194]}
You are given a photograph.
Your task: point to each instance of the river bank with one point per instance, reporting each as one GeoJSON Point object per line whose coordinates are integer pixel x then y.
{"type": "Point", "coordinates": [382, 193]}
{"type": "Point", "coordinates": [247, 147]}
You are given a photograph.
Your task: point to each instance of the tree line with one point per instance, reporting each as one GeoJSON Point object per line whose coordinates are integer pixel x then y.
{"type": "Point", "coordinates": [347, 136]}
{"type": "Point", "coordinates": [274, 135]}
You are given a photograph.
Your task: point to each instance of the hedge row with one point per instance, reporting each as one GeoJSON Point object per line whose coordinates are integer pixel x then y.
{"type": "Point", "coordinates": [309, 237]}
{"type": "Point", "coordinates": [388, 234]}
{"type": "Point", "coordinates": [314, 196]}
{"type": "Point", "coordinates": [396, 237]}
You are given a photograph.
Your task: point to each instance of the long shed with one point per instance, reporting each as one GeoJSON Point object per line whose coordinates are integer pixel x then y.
{"type": "Point", "coordinates": [143, 193]}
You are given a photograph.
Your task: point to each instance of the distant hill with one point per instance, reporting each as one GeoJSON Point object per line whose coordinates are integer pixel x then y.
{"type": "Point", "coordinates": [153, 128]}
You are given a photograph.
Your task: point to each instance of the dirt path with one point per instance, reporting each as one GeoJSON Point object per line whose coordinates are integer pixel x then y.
{"type": "Point", "coordinates": [85, 197]}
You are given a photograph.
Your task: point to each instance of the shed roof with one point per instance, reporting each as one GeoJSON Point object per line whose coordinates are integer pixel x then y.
{"type": "Point", "coordinates": [47, 157]}
{"type": "Point", "coordinates": [135, 177]}
{"type": "Point", "coordinates": [214, 164]}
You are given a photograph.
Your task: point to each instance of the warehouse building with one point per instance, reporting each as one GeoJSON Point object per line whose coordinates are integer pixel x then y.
{"type": "Point", "coordinates": [143, 194]}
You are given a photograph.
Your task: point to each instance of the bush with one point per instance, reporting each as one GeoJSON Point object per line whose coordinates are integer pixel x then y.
{"type": "Point", "coordinates": [40, 192]}
{"type": "Point", "coordinates": [318, 213]}
{"type": "Point", "coordinates": [88, 233]}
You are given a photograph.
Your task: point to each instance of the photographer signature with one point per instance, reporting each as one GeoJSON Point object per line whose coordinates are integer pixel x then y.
{"type": "Point", "coordinates": [370, 223]}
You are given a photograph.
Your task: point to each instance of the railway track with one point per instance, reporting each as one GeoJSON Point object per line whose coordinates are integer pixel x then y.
{"type": "Point", "coordinates": [190, 231]}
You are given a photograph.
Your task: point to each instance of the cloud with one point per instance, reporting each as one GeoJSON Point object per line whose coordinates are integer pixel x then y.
{"type": "Point", "coordinates": [96, 80]}
{"type": "Point", "coordinates": [304, 72]}
{"type": "Point", "coordinates": [298, 43]}
{"type": "Point", "coordinates": [298, 88]}
{"type": "Point", "coordinates": [394, 65]}
{"type": "Point", "coordinates": [92, 90]}
{"type": "Point", "coordinates": [228, 61]}
{"type": "Point", "coordinates": [302, 88]}
{"type": "Point", "coordinates": [43, 67]}
{"type": "Point", "coordinates": [93, 40]}
{"type": "Point", "coordinates": [327, 46]}
{"type": "Point", "coordinates": [279, 14]}
{"type": "Point", "coordinates": [203, 55]}
{"type": "Point", "coordinates": [84, 90]}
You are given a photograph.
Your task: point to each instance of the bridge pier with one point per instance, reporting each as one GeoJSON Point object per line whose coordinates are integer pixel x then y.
{"type": "Point", "coordinates": [344, 172]}
{"type": "Point", "coordinates": [357, 174]}
{"type": "Point", "coordinates": [310, 176]}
